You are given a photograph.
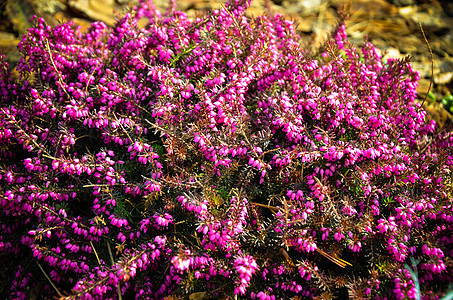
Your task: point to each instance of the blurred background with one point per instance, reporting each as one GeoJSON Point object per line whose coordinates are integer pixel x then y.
{"type": "Point", "coordinates": [392, 25]}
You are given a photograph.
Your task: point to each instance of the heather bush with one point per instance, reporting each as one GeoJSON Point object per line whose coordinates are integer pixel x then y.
{"type": "Point", "coordinates": [217, 158]}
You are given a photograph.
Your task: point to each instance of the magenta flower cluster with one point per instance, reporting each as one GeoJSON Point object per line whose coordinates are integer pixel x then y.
{"type": "Point", "coordinates": [216, 157]}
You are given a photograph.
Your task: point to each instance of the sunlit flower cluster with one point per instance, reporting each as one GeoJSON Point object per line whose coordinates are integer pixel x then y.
{"type": "Point", "coordinates": [216, 156]}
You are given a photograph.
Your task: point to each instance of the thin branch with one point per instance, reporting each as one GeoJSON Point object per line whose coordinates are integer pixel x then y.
{"type": "Point", "coordinates": [111, 258]}
{"type": "Point", "coordinates": [95, 253]}
{"type": "Point", "coordinates": [55, 288]}
{"type": "Point", "coordinates": [432, 64]}
{"type": "Point", "coordinates": [56, 70]}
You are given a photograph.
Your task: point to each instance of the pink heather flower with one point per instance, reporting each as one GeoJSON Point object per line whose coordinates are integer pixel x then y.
{"type": "Point", "coordinates": [305, 150]}
{"type": "Point", "coordinates": [245, 266]}
{"type": "Point", "coordinates": [182, 262]}
{"type": "Point", "coordinates": [163, 220]}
